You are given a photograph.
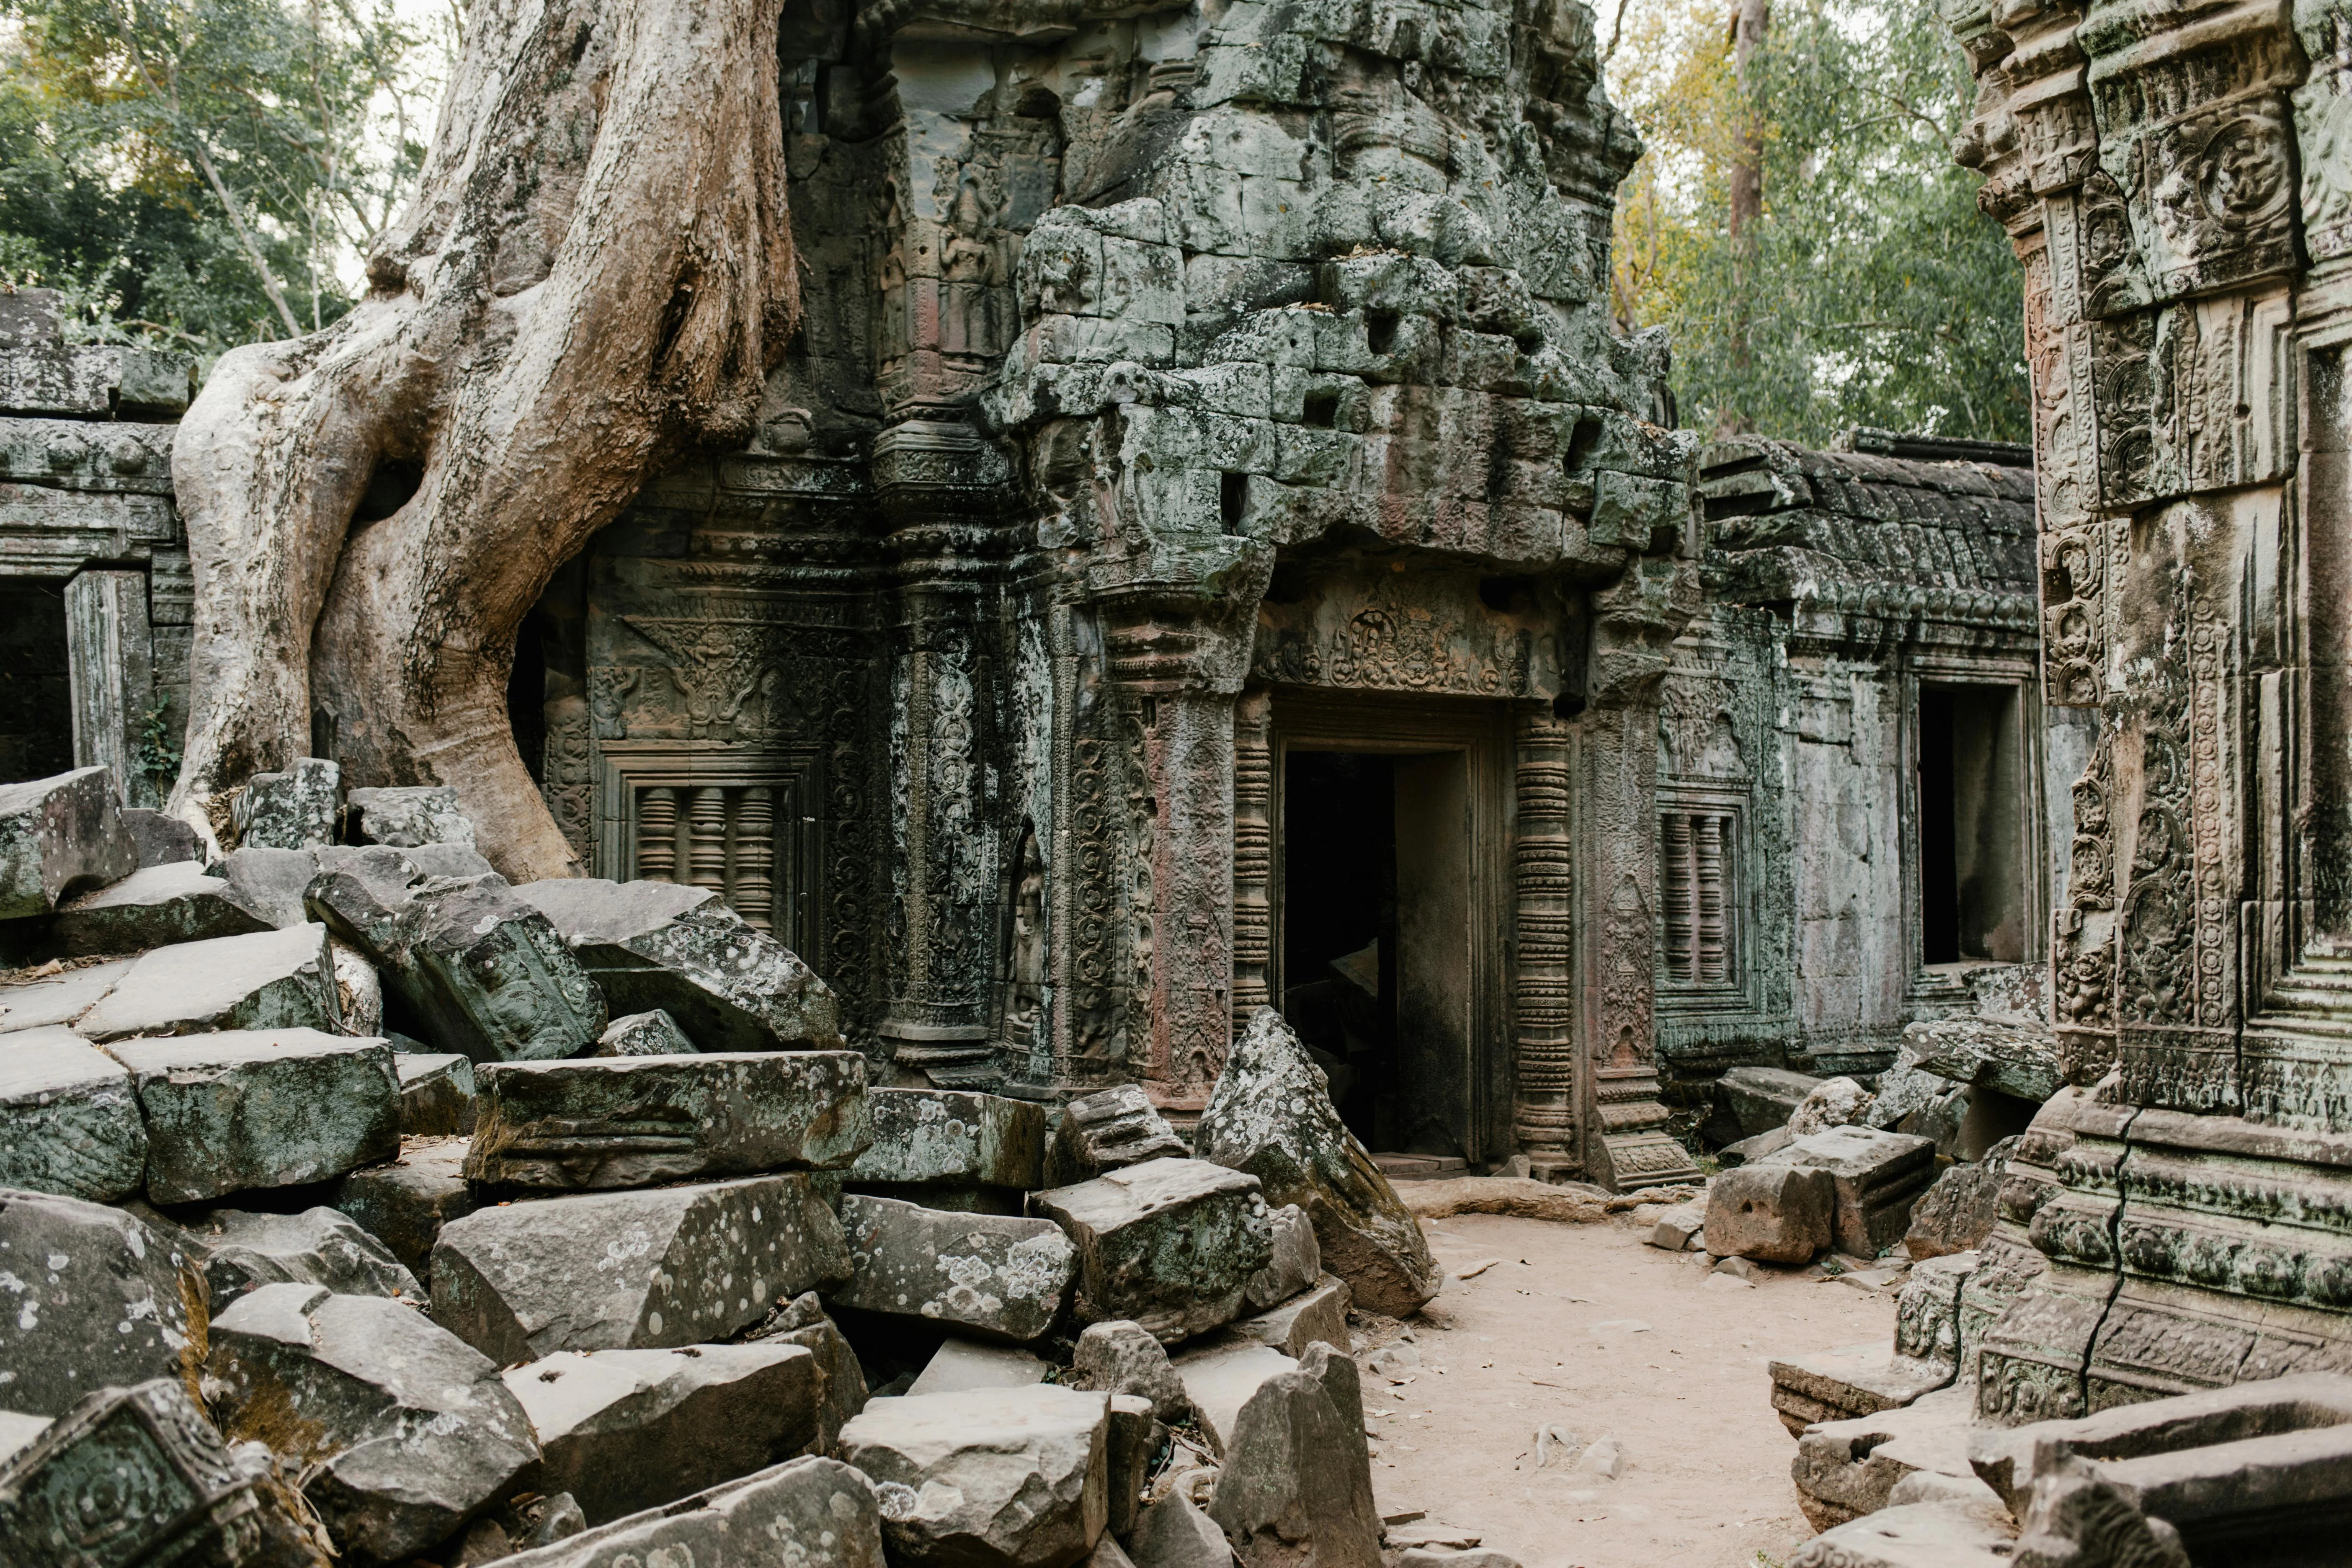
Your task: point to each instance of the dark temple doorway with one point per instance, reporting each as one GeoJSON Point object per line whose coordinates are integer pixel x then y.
{"type": "Point", "coordinates": [35, 682]}
{"type": "Point", "coordinates": [1972, 825]}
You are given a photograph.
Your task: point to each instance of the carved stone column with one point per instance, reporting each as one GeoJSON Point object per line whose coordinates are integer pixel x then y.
{"type": "Point", "coordinates": [109, 656]}
{"type": "Point", "coordinates": [1252, 853]}
{"type": "Point", "coordinates": [1547, 1119]}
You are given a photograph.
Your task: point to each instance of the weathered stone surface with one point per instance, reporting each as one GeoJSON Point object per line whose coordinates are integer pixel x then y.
{"type": "Point", "coordinates": [437, 1094]}
{"type": "Point", "coordinates": [1134, 1438]}
{"type": "Point", "coordinates": [1958, 1210]}
{"type": "Point", "coordinates": [625, 1121]}
{"type": "Point", "coordinates": [69, 1120]}
{"type": "Point", "coordinates": [152, 907]}
{"type": "Point", "coordinates": [260, 1108]}
{"type": "Point", "coordinates": [1677, 1227]}
{"type": "Point", "coordinates": [1875, 1177]}
{"type": "Point", "coordinates": [1221, 1377]}
{"type": "Point", "coordinates": [62, 1323]}
{"type": "Point", "coordinates": [1296, 1487]}
{"type": "Point", "coordinates": [241, 1252]}
{"type": "Point", "coordinates": [1272, 1116]}
{"type": "Point", "coordinates": [292, 810]}
{"type": "Point", "coordinates": [1126, 1358]}
{"type": "Point", "coordinates": [58, 998]}
{"type": "Point", "coordinates": [163, 839]}
{"type": "Point", "coordinates": [1833, 1102]}
{"type": "Point", "coordinates": [403, 1428]}
{"type": "Point", "coordinates": [404, 1204]}
{"type": "Point", "coordinates": [1749, 1101]}
{"type": "Point", "coordinates": [632, 1271]}
{"type": "Point", "coordinates": [1918, 1535]}
{"type": "Point", "coordinates": [1317, 1315]}
{"type": "Point", "coordinates": [1844, 1469]}
{"type": "Point", "coordinates": [805, 1513]}
{"type": "Point", "coordinates": [2013, 1058]}
{"type": "Point", "coordinates": [270, 882]}
{"type": "Point", "coordinates": [991, 1276]}
{"type": "Point", "coordinates": [657, 944]}
{"type": "Point", "coordinates": [627, 1430]}
{"type": "Point", "coordinates": [137, 1475]}
{"type": "Point", "coordinates": [268, 980]}
{"type": "Point", "coordinates": [1170, 1244]}
{"type": "Point", "coordinates": [1298, 1259]}
{"type": "Point", "coordinates": [1174, 1534]}
{"type": "Point", "coordinates": [408, 817]}
{"type": "Point", "coordinates": [57, 836]}
{"type": "Point", "coordinates": [844, 1387]}
{"type": "Point", "coordinates": [1770, 1210]}
{"type": "Point", "coordinates": [1103, 1130]}
{"type": "Point", "coordinates": [958, 1366]}
{"type": "Point", "coordinates": [933, 1135]}
{"type": "Point", "coordinates": [1013, 1478]}
{"type": "Point", "coordinates": [653, 1034]}
{"type": "Point", "coordinates": [1925, 1356]}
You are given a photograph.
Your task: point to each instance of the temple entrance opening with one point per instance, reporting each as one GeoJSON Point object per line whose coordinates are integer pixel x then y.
{"type": "Point", "coordinates": [36, 703]}
{"type": "Point", "coordinates": [1972, 825]}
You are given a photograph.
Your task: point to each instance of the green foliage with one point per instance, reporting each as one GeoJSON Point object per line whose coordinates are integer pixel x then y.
{"type": "Point", "coordinates": [1873, 291]}
{"type": "Point", "coordinates": [204, 172]}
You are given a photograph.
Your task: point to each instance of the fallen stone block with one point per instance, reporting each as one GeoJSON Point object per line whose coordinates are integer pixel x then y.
{"type": "Point", "coordinates": [1922, 1535]}
{"type": "Point", "coordinates": [1320, 1315]}
{"type": "Point", "coordinates": [69, 1120]}
{"type": "Point", "coordinates": [1298, 1478]}
{"type": "Point", "coordinates": [805, 1513]}
{"type": "Point", "coordinates": [1168, 1244]}
{"type": "Point", "coordinates": [2021, 1059]}
{"type": "Point", "coordinates": [1126, 1359]}
{"type": "Point", "coordinates": [627, 1122]}
{"type": "Point", "coordinates": [137, 1475]}
{"type": "Point", "coordinates": [991, 1276]}
{"type": "Point", "coordinates": [1844, 1469]}
{"type": "Point", "coordinates": [1956, 1212]}
{"type": "Point", "coordinates": [1106, 1130]}
{"type": "Point", "coordinates": [632, 1271]}
{"type": "Point", "coordinates": [408, 817]}
{"type": "Point", "coordinates": [241, 1252]}
{"type": "Point", "coordinates": [803, 1323]}
{"type": "Point", "coordinates": [947, 1137]}
{"type": "Point", "coordinates": [260, 1108]}
{"type": "Point", "coordinates": [1173, 1533]}
{"type": "Point", "coordinates": [658, 944]}
{"type": "Point", "coordinates": [1006, 1478]}
{"type": "Point", "coordinates": [73, 1275]}
{"type": "Point", "coordinates": [1132, 1438]}
{"type": "Point", "coordinates": [359, 993]}
{"type": "Point", "coordinates": [437, 1094]}
{"type": "Point", "coordinates": [57, 836]}
{"type": "Point", "coordinates": [654, 1034]}
{"type": "Point", "coordinates": [1298, 1259]}
{"type": "Point", "coordinates": [627, 1431]}
{"type": "Point", "coordinates": [1271, 1115]}
{"type": "Point", "coordinates": [270, 882]}
{"type": "Point", "coordinates": [1925, 1356]}
{"type": "Point", "coordinates": [404, 1204]}
{"type": "Point", "coordinates": [404, 1430]}
{"type": "Point", "coordinates": [1749, 1101]}
{"type": "Point", "coordinates": [292, 810]}
{"type": "Point", "coordinates": [1874, 1178]}
{"type": "Point", "coordinates": [268, 980]}
{"type": "Point", "coordinates": [58, 998]}
{"type": "Point", "coordinates": [153, 907]}
{"type": "Point", "coordinates": [1221, 1376]}
{"type": "Point", "coordinates": [162, 839]}
{"type": "Point", "coordinates": [1833, 1102]}
{"type": "Point", "coordinates": [959, 1366]}
{"type": "Point", "coordinates": [1769, 1210]}
{"type": "Point", "coordinates": [1677, 1227]}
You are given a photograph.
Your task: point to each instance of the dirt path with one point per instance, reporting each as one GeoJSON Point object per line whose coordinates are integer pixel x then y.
{"type": "Point", "coordinates": [1542, 1342]}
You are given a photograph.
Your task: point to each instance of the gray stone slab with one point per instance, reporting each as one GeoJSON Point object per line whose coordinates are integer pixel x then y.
{"type": "Point", "coordinates": [1002, 1478]}
{"type": "Point", "coordinates": [292, 810]}
{"type": "Point", "coordinates": [269, 980]}
{"type": "Point", "coordinates": [1220, 1377]}
{"type": "Point", "coordinates": [58, 998]}
{"type": "Point", "coordinates": [76, 1273]}
{"type": "Point", "coordinates": [1168, 1244]}
{"type": "Point", "coordinates": [633, 1270]}
{"type": "Point", "coordinates": [845, 1379]}
{"type": "Point", "coordinates": [1313, 1316]}
{"type": "Point", "coordinates": [1173, 1533]}
{"type": "Point", "coordinates": [60, 836]}
{"type": "Point", "coordinates": [1875, 1177]}
{"type": "Point", "coordinates": [1916, 1535]}
{"type": "Point", "coordinates": [1127, 1358]}
{"type": "Point", "coordinates": [94, 381]}
{"type": "Point", "coordinates": [1297, 1467]}
{"type": "Point", "coordinates": [1105, 1130]}
{"type": "Point", "coordinates": [489, 975]}
{"type": "Point", "coordinates": [404, 1204]}
{"type": "Point", "coordinates": [263, 1108]}
{"type": "Point", "coordinates": [624, 1431]}
{"type": "Point", "coordinates": [937, 1135]}
{"type": "Point", "coordinates": [1298, 1259]}
{"type": "Point", "coordinates": [1957, 1211]}
{"type": "Point", "coordinates": [1770, 1210]}
{"type": "Point", "coordinates": [654, 1034]}
{"type": "Point", "coordinates": [269, 881]}
{"type": "Point", "coordinates": [2021, 1059]}
{"type": "Point", "coordinates": [242, 1251]}
{"type": "Point", "coordinates": [1749, 1101]}
{"type": "Point", "coordinates": [152, 907]}
{"type": "Point", "coordinates": [959, 1366]}
{"type": "Point", "coordinates": [437, 1094]}
{"type": "Point", "coordinates": [69, 1121]}
{"type": "Point", "coordinates": [993, 1276]}
{"type": "Point", "coordinates": [163, 839]}
{"type": "Point", "coordinates": [624, 1122]}
{"type": "Point", "coordinates": [409, 816]}
{"type": "Point", "coordinates": [807, 1513]}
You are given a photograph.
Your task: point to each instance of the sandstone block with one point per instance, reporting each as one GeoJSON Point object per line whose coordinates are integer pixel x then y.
{"type": "Point", "coordinates": [270, 882]}
{"type": "Point", "coordinates": [1769, 1210]}
{"type": "Point", "coordinates": [1956, 1212]}
{"type": "Point", "coordinates": [625, 1121]}
{"type": "Point", "coordinates": [1174, 1534]}
{"type": "Point", "coordinates": [292, 810]}
{"type": "Point", "coordinates": [806, 1513]}
{"type": "Point", "coordinates": [409, 816]}
{"type": "Point", "coordinates": [153, 907]}
{"type": "Point", "coordinates": [404, 1204]}
{"type": "Point", "coordinates": [403, 1429]}
{"type": "Point", "coordinates": [1874, 1176]}
{"type": "Point", "coordinates": [437, 1094]}
{"type": "Point", "coordinates": [627, 1431]}
{"type": "Point", "coordinates": [1319, 1315]}
{"type": "Point", "coordinates": [1677, 1227]}
{"type": "Point", "coordinates": [1833, 1102]}
{"type": "Point", "coordinates": [2021, 1059]}
{"type": "Point", "coordinates": [1298, 1259]}
{"type": "Point", "coordinates": [242, 1252]}
{"type": "Point", "coordinates": [632, 1271]}
{"type": "Point", "coordinates": [1749, 1101]}
{"type": "Point", "coordinates": [269, 980]}
{"type": "Point", "coordinates": [1010, 1478]}
{"type": "Point", "coordinates": [1272, 1116]}
{"type": "Point", "coordinates": [1126, 1359]}
{"type": "Point", "coordinates": [1297, 1478]}
{"type": "Point", "coordinates": [163, 839]}
{"type": "Point", "coordinates": [937, 1136]}
{"type": "Point", "coordinates": [959, 1366]}
{"type": "Point", "coordinates": [69, 1121]}
{"type": "Point", "coordinates": [991, 1276]}
{"type": "Point", "coordinates": [844, 1393]}
{"type": "Point", "coordinates": [260, 1108]}
{"type": "Point", "coordinates": [657, 944]}
{"type": "Point", "coordinates": [1844, 1469]}
{"type": "Point", "coordinates": [492, 977]}
{"type": "Point", "coordinates": [1221, 1377]}
{"type": "Point", "coordinates": [57, 836]}
{"type": "Point", "coordinates": [1168, 1244]}
{"type": "Point", "coordinates": [1132, 1439]}
{"type": "Point", "coordinates": [58, 998]}
{"type": "Point", "coordinates": [1103, 1130]}
{"type": "Point", "coordinates": [78, 1272]}
{"type": "Point", "coordinates": [654, 1034]}
{"type": "Point", "coordinates": [1917, 1535]}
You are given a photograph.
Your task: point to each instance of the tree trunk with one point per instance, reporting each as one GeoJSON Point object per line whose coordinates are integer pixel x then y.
{"type": "Point", "coordinates": [1750, 20]}
{"type": "Point", "coordinates": [593, 278]}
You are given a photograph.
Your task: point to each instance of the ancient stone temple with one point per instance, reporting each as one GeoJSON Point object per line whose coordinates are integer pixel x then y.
{"type": "Point", "coordinates": [1204, 549]}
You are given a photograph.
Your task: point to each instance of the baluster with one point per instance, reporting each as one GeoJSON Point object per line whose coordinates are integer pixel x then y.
{"type": "Point", "coordinates": [707, 862]}
{"type": "Point", "coordinates": [1712, 950]}
{"type": "Point", "coordinates": [1676, 893]}
{"type": "Point", "coordinates": [755, 857]}
{"type": "Point", "coordinates": [657, 835]}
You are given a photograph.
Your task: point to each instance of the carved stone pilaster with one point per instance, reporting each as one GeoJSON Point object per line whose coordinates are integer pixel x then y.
{"type": "Point", "coordinates": [1252, 853]}
{"type": "Point", "coordinates": [1546, 1118]}
{"type": "Point", "coordinates": [109, 652]}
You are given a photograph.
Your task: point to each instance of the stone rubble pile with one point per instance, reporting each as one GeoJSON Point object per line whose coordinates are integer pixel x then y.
{"type": "Point", "coordinates": [357, 1207]}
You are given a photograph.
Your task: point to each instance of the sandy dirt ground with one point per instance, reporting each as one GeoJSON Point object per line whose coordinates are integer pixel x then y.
{"type": "Point", "coordinates": [1546, 1337]}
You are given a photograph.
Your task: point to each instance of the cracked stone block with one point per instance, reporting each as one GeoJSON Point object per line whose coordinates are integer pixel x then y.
{"type": "Point", "coordinates": [1168, 1244]}
{"type": "Point", "coordinates": [408, 817]}
{"type": "Point", "coordinates": [1297, 1476]}
{"type": "Point", "coordinates": [404, 1204]}
{"type": "Point", "coordinates": [844, 1393]}
{"type": "Point", "coordinates": [437, 1094]}
{"type": "Point", "coordinates": [1749, 1101]}
{"type": "Point", "coordinates": [994, 1276]}
{"type": "Point", "coordinates": [1271, 1115]}
{"type": "Point", "coordinates": [1298, 1259]}
{"type": "Point", "coordinates": [625, 1121]}
{"type": "Point", "coordinates": [69, 1120]}
{"type": "Point", "coordinates": [1103, 1130]}
{"type": "Point", "coordinates": [137, 1475]}
{"type": "Point", "coordinates": [89, 1297]}
{"type": "Point", "coordinates": [958, 1366]}
{"type": "Point", "coordinates": [805, 1513]}
{"type": "Point", "coordinates": [627, 1431]}
{"type": "Point", "coordinates": [58, 998]}
{"type": "Point", "coordinates": [241, 1252]}
{"type": "Point", "coordinates": [653, 1034]}
{"type": "Point", "coordinates": [268, 980]}
{"type": "Point", "coordinates": [1844, 1469]}
{"type": "Point", "coordinates": [948, 1136]}
{"type": "Point", "coordinates": [292, 810]}
{"type": "Point", "coordinates": [657, 944]}
{"type": "Point", "coordinates": [57, 836]}
{"type": "Point", "coordinates": [1003, 1478]}
{"type": "Point", "coordinates": [1221, 1376]}
{"type": "Point", "coordinates": [1956, 1212]}
{"type": "Point", "coordinates": [270, 882]}
{"type": "Point", "coordinates": [1319, 1315]}
{"type": "Point", "coordinates": [163, 839]}
{"type": "Point", "coordinates": [260, 1108]}
{"type": "Point", "coordinates": [1916, 1535]}
{"type": "Point", "coordinates": [1174, 1534]}
{"type": "Point", "coordinates": [1874, 1178]}
{"type": "Point", "coordinates": [1126, 1358]}
{"type": "Point", "coordinates": [403, 1429]}
{"type": "Point", "coordinates": [633, 1270]}
{"type": "Point", "coordinates": [153, 907]}
{"type": "Point", "coordinates": [1833, 1102]}
{"type": "Point", "coordinates": [2019, 1059]}
{"type": "Point", "coordinates": [1770, 1210]}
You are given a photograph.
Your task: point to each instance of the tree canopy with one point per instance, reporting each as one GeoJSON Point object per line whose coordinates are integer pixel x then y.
{"type": "Point", "coordinates": [1870, 290]}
